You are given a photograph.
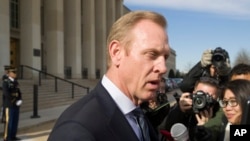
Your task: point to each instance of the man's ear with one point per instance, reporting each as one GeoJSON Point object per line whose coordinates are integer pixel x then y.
{"type": "Point", "coordinates": [115, 52]}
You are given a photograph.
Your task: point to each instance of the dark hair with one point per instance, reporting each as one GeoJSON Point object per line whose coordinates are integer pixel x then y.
{"type": "Point", "coordinates": [208, 80]}
{"type": "Point", "coordinates": [240, 88]}
{"type": "Point", "coordinates": [240, 69]}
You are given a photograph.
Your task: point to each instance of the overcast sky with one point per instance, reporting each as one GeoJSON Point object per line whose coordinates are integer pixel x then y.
{"type": "Point", "coordinates": [197, 25]}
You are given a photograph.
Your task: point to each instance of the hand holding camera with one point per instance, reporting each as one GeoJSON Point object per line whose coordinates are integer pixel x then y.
{"type": "Point", "coordinates": [185, 102]}
{"type": "Point", "coordinates": [206, 58]}
{"type": "Point", "coordinates": [198, 101]}
{"type": "Point", "coordinates": [219, 58]}
{"type": "Point", "coordinates": [203, 116]}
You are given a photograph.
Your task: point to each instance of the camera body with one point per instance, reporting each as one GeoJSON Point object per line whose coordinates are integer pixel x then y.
{"type": "Point", "coordinates": [219, 57]}
{"type": "Point", "coordinates": [201, 101]}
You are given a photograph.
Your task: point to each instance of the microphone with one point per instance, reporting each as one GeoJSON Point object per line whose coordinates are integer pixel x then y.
{"type": "Point", "coordinates": [179, 132]}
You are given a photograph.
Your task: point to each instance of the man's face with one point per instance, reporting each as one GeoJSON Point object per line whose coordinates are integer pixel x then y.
{"type": "Point", "coordinates": [12, 74]}
{"type": "Point", "coordinates": [211, 90]}
{"type": "Point", "coordinates": [143, 66]}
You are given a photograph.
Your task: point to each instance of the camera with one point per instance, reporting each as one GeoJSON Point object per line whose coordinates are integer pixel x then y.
{"type": "Point", "coordinates": [201, 101]}
{"type": "Point", "coordinates": [219, 57]}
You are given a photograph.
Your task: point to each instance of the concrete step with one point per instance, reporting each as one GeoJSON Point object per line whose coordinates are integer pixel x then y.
{"type": "Point", "coordinates": [48, 97]}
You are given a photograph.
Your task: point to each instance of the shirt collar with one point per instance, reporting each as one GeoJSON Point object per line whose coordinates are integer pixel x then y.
{"type": "Point", "coordinates": [12, 79]}
{"type": "Point", "coordinates": [121, 100]}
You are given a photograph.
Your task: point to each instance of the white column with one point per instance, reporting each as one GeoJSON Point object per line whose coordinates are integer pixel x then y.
{"type": "Point", "coordinates": [101, 36]}
{"type": "Point", "coordinates": [54, 37]}
{"type": "Point", "coordinates": [30, 39]}
{"type": "Point", "coordinates": [88, 45]}
{"type": "Point", "coordinates": [72, 30]}
{"type": "Point", "coordinates": [4, 34]}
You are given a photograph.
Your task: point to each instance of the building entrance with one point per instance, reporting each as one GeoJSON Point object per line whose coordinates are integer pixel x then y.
{"type": "Point", "coordinates": [14, 53]}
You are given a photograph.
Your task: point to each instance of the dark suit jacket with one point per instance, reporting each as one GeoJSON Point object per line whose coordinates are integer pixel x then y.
{"type": "Point", "coordinates": [95, 117]}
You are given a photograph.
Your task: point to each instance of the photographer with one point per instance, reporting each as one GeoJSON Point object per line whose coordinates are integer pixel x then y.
{"type": "Point", "coordinates": [214, 63]}
{"type": "Point", "coordinates": [188, 111]}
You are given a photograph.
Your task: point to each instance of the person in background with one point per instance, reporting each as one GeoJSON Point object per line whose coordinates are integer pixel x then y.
{"type": "Point", "coordinates": [5, 76]}
{"type": "Point", "coordinates": [214, 63]}
{"type": "Point", "coordinates": [12, 103]}
{"type": "Point", "coordinates": [156, 109]}
{"type": "Point", "coordinates": [183, 111]}
{"type": "Point", "coordinates": [239, 71]}
{"type": "Point", "coordinates": [137, 49]}
{"type": "Point", "coordinates": [232, 100]}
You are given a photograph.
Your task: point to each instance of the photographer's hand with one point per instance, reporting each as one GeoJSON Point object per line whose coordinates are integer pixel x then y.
{"type": "Point", "coordinates": [206, 58]}
{"type": "Point", "coordinates": [203, 116]}
{"type": "Point", "coordinates": [185, 102]}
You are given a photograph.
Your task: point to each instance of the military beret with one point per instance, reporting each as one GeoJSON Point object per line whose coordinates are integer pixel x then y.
{"type": "Point", "coordinates": [12, 69]}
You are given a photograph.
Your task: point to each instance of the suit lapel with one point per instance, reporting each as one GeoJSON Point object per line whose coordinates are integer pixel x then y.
{"type": "Point", "coordinates": [118, 123]}
{"type": "Point", "coordinates": [121, 127]}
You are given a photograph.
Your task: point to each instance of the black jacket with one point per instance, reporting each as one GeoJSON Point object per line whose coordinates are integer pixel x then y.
{"type": "Point", "coordinates": [187, 85]}
{"type": "Point", "coordinates": [95, 117]}
{"type": "Point", "coordinates": [11, 92]}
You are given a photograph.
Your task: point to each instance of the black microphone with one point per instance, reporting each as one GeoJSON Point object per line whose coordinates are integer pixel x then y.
{"type": "Point", "coordinates": [179, 132]}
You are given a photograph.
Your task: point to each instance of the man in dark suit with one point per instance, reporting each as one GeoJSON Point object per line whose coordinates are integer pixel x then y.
{"type": "Point", "coordinates": [138, 49]}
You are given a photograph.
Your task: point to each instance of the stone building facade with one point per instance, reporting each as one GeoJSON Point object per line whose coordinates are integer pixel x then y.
{"type": "Point", "coordinates": [60, 37]}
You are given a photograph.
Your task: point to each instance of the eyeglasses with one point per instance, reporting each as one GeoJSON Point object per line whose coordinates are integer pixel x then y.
{"type": "Point", "coordinates": [230, 102]}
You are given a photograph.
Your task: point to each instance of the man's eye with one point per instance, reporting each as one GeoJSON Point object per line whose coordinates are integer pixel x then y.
{"type": "Point", "coordinates": [152, 54]}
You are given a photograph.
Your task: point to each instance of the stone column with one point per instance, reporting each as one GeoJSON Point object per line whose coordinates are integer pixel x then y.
{"type": "Point", "coordinates": [4, 34]}
{"type": "Point", "coordinates": [72, 30]}
{"type": "Point", "coordinates": [111, 13]}
{"type": "Point", "coordinates": [30, 38]}
{"type": "Point", "coordinates": [118, 8]}
{"type": "Point", "coordinates": [88, 38]}
{"type": "Point", "coordinates": [101, 37]}
{"type": "Point", "coordinates": [54, 37]}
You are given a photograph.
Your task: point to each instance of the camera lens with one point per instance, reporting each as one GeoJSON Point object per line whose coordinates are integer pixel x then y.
{"type": "Point", "coordinates": [218, 57]}
{"type": "Point", "coordinates": [199, 102]}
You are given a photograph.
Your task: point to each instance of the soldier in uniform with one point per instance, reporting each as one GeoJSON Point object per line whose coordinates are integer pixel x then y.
{"type": "Point", "coordinates": [12, 102]}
